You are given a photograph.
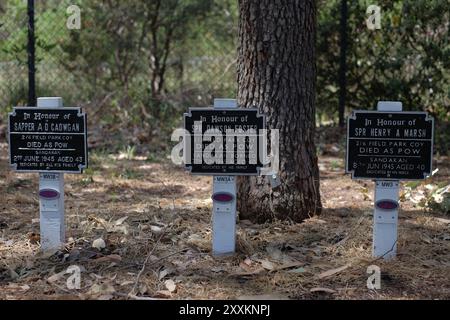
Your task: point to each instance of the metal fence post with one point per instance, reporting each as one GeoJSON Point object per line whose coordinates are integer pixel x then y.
{"type": "Point", "coordinates": [52, 220]}
{"type": "Point", "coordinates": [224, 214]}
{"type": "Point", "coordinates": [31, 56]}
{"type": "Point", "coordinates": [385, 223]}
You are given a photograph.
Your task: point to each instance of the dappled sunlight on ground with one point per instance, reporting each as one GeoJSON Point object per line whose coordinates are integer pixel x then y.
{"type": "Point", "coordinates": [160, 213]}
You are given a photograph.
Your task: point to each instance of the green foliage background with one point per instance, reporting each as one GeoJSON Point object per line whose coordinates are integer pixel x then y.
{"type": "Point", "coordinates": [407, 60]}
{"type": "Point", "coordinates": [109, 65]}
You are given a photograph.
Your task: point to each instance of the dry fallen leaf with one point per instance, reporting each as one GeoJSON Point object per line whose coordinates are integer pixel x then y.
{"type": "Point", "coordinates": [298, 270]}
{"type": "Point", "coordinates": [217, 269]}
{"type": "Point", "coordinates": [34, 237]}
{"type": "Point", "coordinates": [99, 244]}
{"type": "Point", "coordinates": [109, 258]}
{"type": "Point", "coordinates": [120, 221]}
{"type": "Point", "coordinates": [13, 274]}
{"type": "Point", "coordinates": [101, 289]}
{"type": "Point", "coordinates": [121, 228]}
{"type": "Point", "coordinates": [266, 264]}
{"type": "Point", "coordinates": [326, 290]}
{"type": "Point", "coordinates": [163, 294]}
{"type": "Point", "coordinates": [156, 230]}
{"type": "Point", "coordinates": [163, 274]}
{"type": "Point", "coordinates": [332, 272]}
{"type": "Point", "coordinates": [25, 287]}
{"type": "Point", "coordinates": [170, 285]}
{"type": "Point", "coordinates": [126, 283]}
{"type": "Point", "coordinates": [272, 296]}
{"type": "Point", "coordinates": [250, 273]}
{"type": "Point", "coordinates": [274, 253]}
{"type": "Point", "coordinates": [442, 220]}
{"type": "Point", "coordinates": [143, 288]}
{"type": "Point", "coordinates": [245, 267]}
{"type": "Point", "coordinates": [56, 277]}
{"type": "Point", "coordinates": [289, 266]}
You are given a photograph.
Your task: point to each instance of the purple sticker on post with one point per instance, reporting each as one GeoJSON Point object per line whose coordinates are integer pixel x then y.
{"type": "Point", "coordinates": [386, 204]}
{"type": "Point", "coordinates": [49, 194]}
{"type": "Point", "coordinates": [222, 197]}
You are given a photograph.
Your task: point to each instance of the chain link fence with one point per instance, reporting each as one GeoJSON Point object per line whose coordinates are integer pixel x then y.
{"type": "Point", "coordinates": [98, 62]}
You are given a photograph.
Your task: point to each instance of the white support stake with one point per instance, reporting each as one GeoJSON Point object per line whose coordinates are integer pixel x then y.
{"type": "Point", "coordinates": [51, 197]}
{"type": "Point", "coordinates": [224, 213]}
{"type": "Point", "coordinates": [385, 222]}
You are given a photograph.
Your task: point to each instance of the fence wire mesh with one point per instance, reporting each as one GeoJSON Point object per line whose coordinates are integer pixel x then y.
{"type": "Point", "coordinates": [13, 53]}
{"type": "Point", "coordinates": [103, 59]}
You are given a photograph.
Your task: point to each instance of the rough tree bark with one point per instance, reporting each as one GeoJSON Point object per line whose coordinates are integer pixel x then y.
{"type": "Point", "coordinates": [276, 73]}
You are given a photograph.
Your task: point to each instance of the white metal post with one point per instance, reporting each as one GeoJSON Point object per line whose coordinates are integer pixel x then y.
{"type": "Point", "coordinates": [52, 221]}
{"type": "Point", "coordinates": [385, 222]}
{"type": "Point", "coordinates": [224, 213]}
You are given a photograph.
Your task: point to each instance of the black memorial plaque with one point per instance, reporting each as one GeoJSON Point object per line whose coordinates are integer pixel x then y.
{"type": "Point", "coordinates": [221, 152]}
{"type": "Point", "coordinates": [48, 139]}
{"type": "Point", "coordinates": [389, 145]}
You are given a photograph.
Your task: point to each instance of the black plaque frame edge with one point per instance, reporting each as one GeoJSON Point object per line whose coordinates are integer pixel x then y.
{"type": "Point", "coordinates": [189, 167]}
{"type": "Point", "coordinates": [13, 166]}
{"type": "Point", "coordinates": [353, 117]}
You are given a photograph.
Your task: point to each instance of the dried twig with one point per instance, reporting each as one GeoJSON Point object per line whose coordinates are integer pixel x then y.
{"type": "Point", "coordinates": [144, 265]}
{"type": "Point", "coordinates": [134, 297]}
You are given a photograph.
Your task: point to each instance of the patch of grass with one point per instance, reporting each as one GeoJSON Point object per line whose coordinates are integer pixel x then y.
{"type": "Point", "coordinates": [98, 157]}
{"type": "Point", "coordinates": [113, 197]}
{"type": "Point", "coordinates": [413, 184]}
{"type": "Point", "coordinates": [86, 181]}
{"type": "Point", "coordinates": [336, 165]}
{"type": "Point", "coordinates": [154, 158]}
{"type": "Point", "coordinates": [130, 174]}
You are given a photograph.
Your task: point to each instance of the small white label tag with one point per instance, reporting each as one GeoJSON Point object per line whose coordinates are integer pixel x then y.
{"type": "Point", "coordinates": [274, 180]}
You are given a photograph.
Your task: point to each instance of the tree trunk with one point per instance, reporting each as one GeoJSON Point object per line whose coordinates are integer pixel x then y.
{"type": "Point", "coordinates": [276, 73]}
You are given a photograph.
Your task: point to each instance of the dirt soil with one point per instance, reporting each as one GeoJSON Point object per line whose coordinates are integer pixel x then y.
{"type": "Point", "coordinates": [155, 220]}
